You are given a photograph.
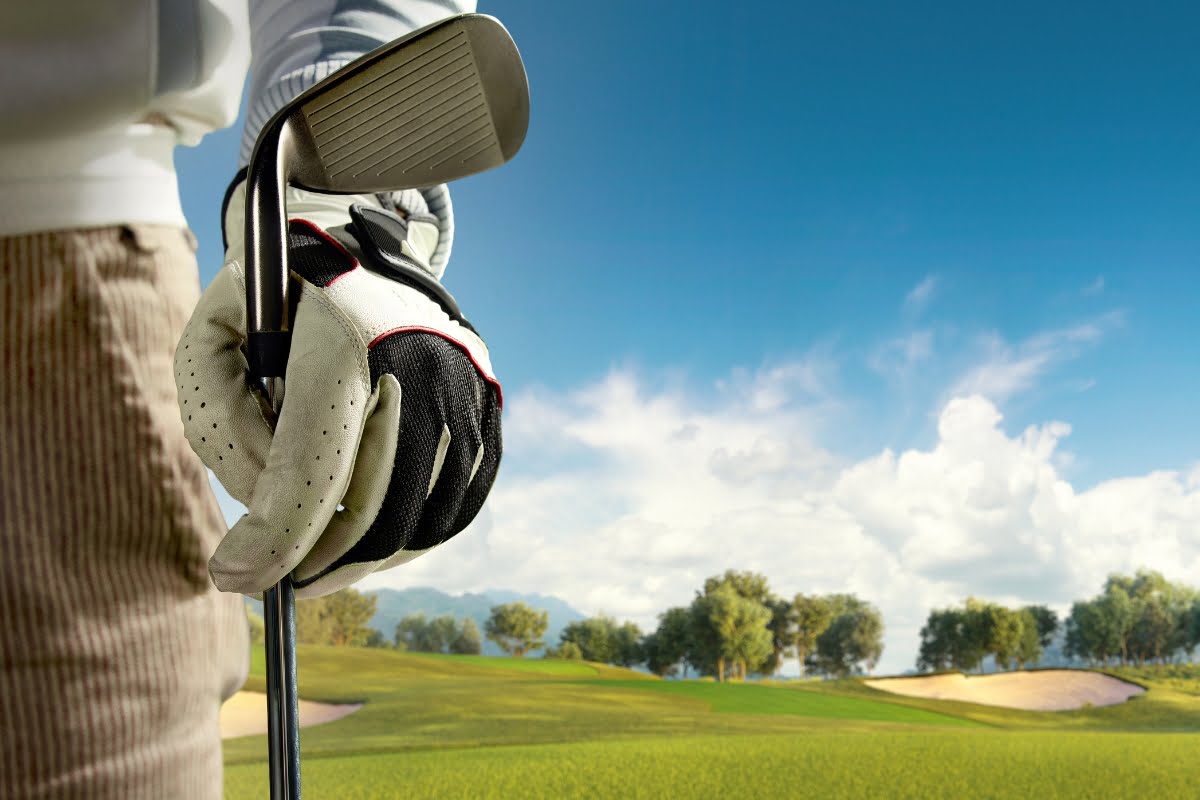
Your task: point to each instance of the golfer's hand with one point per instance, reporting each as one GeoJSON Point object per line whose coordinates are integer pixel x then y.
{"type": "Point", "coordinates": [388, 440]}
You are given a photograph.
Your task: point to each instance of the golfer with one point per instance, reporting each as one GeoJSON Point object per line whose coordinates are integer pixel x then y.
{"type": "Point", "coordinates": [122, 626]}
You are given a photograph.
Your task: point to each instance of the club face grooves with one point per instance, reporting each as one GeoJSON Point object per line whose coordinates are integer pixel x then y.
{"type": "Point", "coordinates": [448, 102]}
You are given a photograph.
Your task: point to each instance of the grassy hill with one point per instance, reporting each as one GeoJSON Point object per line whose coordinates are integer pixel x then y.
{"type": "Point", "coordinates": [447, 726]}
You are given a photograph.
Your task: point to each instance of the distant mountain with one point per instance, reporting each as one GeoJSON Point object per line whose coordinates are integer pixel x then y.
{"type": "Point", "coordinates": [393, 605]}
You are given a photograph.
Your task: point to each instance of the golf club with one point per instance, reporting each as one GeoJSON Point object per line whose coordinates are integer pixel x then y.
{"type": "Point", "coordinates": [444, 102]}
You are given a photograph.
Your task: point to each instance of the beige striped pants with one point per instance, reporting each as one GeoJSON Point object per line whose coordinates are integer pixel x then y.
{"type": "Point", "coordinates": [115, 649]}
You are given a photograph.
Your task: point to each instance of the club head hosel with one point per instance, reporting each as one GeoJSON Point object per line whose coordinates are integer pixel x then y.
{"type": "Point", "coordinates": [267, 319]}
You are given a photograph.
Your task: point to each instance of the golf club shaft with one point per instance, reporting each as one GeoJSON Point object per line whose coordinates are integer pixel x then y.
{"type": "Point", "coordinates": [279, 619]}
{"type": "Point", "coordinates": [283, 734]}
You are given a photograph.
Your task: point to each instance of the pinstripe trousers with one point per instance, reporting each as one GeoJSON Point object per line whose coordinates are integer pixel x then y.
{"type": "Point", "coordinates": [116, 651]}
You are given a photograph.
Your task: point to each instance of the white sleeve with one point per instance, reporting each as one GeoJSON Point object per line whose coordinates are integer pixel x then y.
{"type": "Point", "coordinates": [296, 43]}
{"type": "Point", "coordinates": [85, 65]}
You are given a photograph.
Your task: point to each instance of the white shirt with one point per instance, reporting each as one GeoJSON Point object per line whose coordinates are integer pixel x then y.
{"type": "Point", "coordinates": [96, 94]}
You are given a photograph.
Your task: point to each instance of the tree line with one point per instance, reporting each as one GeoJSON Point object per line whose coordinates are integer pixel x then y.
{"type": "Point", "coordinates": [961, 638]}
{"type": "Point", "coordinates": [734, 626]}
{"type": "Point", "coordinates": [1133, 620]}
{"type": "Point", "coordinates": [342, 619]}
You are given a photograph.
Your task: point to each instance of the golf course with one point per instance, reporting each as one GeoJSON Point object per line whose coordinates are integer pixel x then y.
{"type": "Point", "coordinates": [434, 726]}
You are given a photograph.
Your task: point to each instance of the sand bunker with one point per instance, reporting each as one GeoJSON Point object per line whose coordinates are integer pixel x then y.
{"type": "Point", "coordinates": [245, 714]}
{"type": "Point", "coordinates": [1043, 690]}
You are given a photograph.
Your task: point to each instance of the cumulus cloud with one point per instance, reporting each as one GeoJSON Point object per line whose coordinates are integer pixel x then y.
{"type": "Point", "coordinates": [621, 496]}
{"type": "Point", "coordinates": [664, 487]}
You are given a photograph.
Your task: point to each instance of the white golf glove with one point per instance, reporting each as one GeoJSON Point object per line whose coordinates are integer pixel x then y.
{"type": "Point", "coordinates": [388, 439]}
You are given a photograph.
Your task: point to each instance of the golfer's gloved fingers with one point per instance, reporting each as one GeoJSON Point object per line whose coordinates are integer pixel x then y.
{"type": "Point", "coordinates": [466, 475]}
{"type": "Point", "coordinates": [222, 420]}
{"type": "Point", "coordinates": [444, 463]}
{"type": "Point", "coordinates": [307, 471]}
{"type": "Point", "coordinates": [316, 575]}
{"type": "Point", "coordinates": [484, 470]}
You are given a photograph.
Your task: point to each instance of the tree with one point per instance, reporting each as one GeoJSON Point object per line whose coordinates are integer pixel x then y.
{"type": "Point", "coordinates": [727, 629]}
{"type": "Point", "coordinates": [853, 642]}
{"type": "Point", "coordinates": [1005, 626]}
{"type": "Point", "coordinates": [1193, 628]}
{"type": "Point", "coordinates": [703, 639]}
{"type": "Point", "coordinates": [595, 638]}
{"type": "Point", "coordinates": [348, 612]}
{"type": "Point", "coordinates": [749, 641]}
{"type": "Point", "coordinates": [1115, 616]}
{"type": "Point", "coordinates": [516, 628]}
{"type": "Point", "coordinates": [312, 626]}
{"type": "Point", "coordinates": [811, 616]}
{"type": "Point", "coordinates": [665, 649]}
{"type": "Point", "coordinates": [942, 640]}
{"type": "Point", "coordinates": [750, 585]}
{"type": "Point", "coordinates": [376, 639]}
{"type": "Point", "coordinates": [1181, 602]}
{"type": "Point", "coordinates": [741, 626]}
{"type": "Point", "coordinates": [1046, 623]}
{"type": "Point", "coordinates": [782, 627]}
{"type": "Point", "coordinates": [735, 629]}
{"type": "Point", "coordinates": [978, 636]}
{"type": "Point", "coordinates": [627, 645]}
{"type": "Point", "coordinates": [338, 619]}
{"type": "Point", "coordinates": [567, 651]}
{"type": "Point", "coordinates": [257, 627]}
{"type": "Point", "coordinates": [442, 632]}
{"type": "Point", "coordinates": [411, 633]}
{"type": "Point", "coordinates": [467, 641]}
{"type": "Point", "coordinates": [1152, 628]}
{"type": "Point", "coordinates": [1083, 632]}
{"type": "Point", "coordinates": [1029, 648]}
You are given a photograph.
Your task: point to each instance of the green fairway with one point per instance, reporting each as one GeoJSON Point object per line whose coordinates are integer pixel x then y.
{"type": "Point", "coordinates": [452, 726]}
{"type": "Point", "coordinates": [808, 702]}
{"type": "Point", "coordinates": [826, 765]}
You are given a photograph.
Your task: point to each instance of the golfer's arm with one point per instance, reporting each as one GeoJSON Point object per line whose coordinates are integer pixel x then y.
{"type": "Point", "coordinates": [73, 67]}
{"type": "Point", "coordinates": [295, 43]}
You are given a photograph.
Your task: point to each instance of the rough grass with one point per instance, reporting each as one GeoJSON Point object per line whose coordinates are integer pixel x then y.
{"type": "Point", "coordinates": [445, 726]}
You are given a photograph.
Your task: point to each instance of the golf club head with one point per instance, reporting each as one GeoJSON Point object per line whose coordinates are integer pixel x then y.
{"type": "Point", "coordinates": [444, 102]}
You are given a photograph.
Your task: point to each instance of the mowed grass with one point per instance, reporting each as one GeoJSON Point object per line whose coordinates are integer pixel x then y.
{"type": "Point", "coordinates": [886, 764]}
{"type": "Point", "coordinates": [447, 726]}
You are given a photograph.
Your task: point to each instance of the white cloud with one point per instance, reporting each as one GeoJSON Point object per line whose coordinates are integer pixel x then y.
{"type": "Point", "coordinates": [1095, 287]}
{"type": "Point", "coordinates": [919, 296]}
{"type": "Point", "coordinates": [623, 495]}
{"type": "Point", "coordinates": [1007, 370]}
{"type": "Point", "coordinates": [668, 487]}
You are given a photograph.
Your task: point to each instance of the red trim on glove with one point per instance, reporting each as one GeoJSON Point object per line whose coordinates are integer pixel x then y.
{"type": "Point", "coordinates": [451, 340]}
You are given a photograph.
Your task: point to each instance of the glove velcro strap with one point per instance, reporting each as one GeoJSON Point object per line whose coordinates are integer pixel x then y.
{"type": "Point", "coordinates": [381, 235]}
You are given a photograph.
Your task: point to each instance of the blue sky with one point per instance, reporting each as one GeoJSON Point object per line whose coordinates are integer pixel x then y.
{"type": "Point", "coordinates": [854, 213]}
